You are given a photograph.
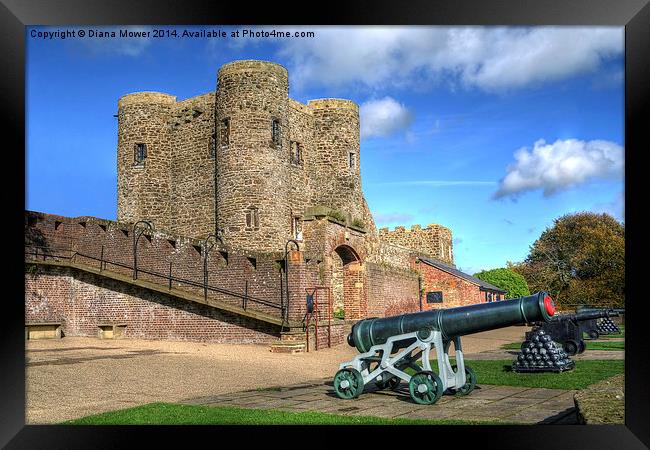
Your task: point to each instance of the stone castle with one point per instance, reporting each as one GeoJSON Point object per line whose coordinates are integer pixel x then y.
{"type": "Point", "coordinates": [279, 183]}
{"type": "Point", "coordinates": [256, 165]}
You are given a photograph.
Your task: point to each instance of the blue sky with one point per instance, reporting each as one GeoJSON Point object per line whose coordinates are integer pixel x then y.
{"type": "Point", "coordinates": [492, 132]}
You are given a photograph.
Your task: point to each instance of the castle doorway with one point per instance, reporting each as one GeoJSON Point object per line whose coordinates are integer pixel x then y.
{"type": "Point", "coordinates": [347, 281]}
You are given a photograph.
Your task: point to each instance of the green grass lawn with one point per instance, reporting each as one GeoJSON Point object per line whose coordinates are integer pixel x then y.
{"type": "Point", "coordinates": [174, 414]}
{"type": "Point", "coordinates": [585, 373]}
{"type": "Point", "coordinates": [618, 345]}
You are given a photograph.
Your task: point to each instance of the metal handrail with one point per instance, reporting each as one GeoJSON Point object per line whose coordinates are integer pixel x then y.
{"type": "Point", "coordinates": [244, 297]}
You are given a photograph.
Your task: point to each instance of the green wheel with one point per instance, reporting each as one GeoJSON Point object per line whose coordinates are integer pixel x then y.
{"type": "Point", "coordinates": [425, 388]}
{"type": "Point", "coordinates": [348, 383]}
{"type": "Point", "coordinates": [470, 381]}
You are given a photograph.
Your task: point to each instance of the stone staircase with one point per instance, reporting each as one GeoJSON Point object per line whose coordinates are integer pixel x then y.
{"type": "Point", "coordinates": [290, 342]}
{"type": "Point", "coordinates": [296, 341]}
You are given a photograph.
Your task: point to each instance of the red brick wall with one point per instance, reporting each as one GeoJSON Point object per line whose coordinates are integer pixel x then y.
{"type": "Point", "coordinates": [156, 254]}
{"type": "Point", "coordinates": [455, 290]}
{"type": "Point", "coordinates": [81, 301]}
{"type": "Point", "coordinates": [391, 292]}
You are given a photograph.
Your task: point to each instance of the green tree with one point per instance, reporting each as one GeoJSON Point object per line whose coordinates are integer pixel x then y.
{"type": "Point", "coordinates": [579, 260]}
{"type": "Point", "coordinates": [513, 283]}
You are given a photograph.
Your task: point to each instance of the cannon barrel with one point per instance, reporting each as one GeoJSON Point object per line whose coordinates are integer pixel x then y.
{"type": "Point", "coordinates": [454, 322]}
{"type": "Point", "coordinates": [585, 315]}
{"type": "Point", "coordinates": [613, 312]}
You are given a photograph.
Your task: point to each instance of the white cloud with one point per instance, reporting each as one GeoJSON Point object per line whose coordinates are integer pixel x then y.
{"type": "Point", "coordinates": [561, 165]}
{"type": "Point", "coordinates": [489, 58]}
{"type": "Point", "coordinates": [383, 117]}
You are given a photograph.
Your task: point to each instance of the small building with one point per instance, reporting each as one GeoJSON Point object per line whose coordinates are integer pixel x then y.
{"type": "Point", "coordinates": [444, 286]}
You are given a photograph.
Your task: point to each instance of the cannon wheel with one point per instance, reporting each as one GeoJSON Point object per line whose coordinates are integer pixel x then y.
{"type": "Point", "coordinates": [582, 346]}
{"type": "Point", "coordinates": [348, 383]}
{"type": "Point", "coordinates": [593, 334]}
{"type": "Point", "coordinates": [425, 387]}
{"type": "Point", "coordinates": [392, 384]}
{"type": "Point", "coordinates": [470, 382]}
{"type": "Point", "coordinates": [571, 347]}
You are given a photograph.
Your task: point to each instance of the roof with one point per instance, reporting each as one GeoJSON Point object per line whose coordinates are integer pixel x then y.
{"type": "Point", "coordinates": [453, 271]}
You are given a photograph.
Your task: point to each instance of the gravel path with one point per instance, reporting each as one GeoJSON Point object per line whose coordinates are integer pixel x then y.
{"type": "Point", "coordinates": [74, 377]}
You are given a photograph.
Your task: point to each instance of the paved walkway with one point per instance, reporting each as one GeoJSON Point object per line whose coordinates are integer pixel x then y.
{"type": "Point", "coordinates": [502, 403]}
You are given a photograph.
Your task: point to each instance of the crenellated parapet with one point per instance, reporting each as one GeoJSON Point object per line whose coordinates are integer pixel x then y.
{"type": "Point", "coordinates": [433, 240]}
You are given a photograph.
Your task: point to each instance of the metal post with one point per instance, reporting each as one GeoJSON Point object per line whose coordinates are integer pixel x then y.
{"type": "Point", "coordinates": [136, 238]}
{"type": "Point", "coordinates": [206, 251]}
{"type": "Point", "coordinates": [329, 317]}
{"type": "Point", "coordinates": [245, 300]}
{"type": "Point", "coordinates": [286, 277]}
{"type": "Point", "coordinates": [316, 321]}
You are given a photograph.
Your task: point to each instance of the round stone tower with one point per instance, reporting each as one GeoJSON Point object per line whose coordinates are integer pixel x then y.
{"type": "Point", "coordinates": [252, 132]}
{"type": "Point", "coordinates": [144, 158]}
{"type": "Point", "coordinates": [337, 158]}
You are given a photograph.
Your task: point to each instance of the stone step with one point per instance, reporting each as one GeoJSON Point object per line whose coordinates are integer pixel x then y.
{"type": "Point", "coordinates": [293, 347]}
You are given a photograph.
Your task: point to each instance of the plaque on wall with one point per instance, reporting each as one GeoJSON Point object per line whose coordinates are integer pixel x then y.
{"type": "Point", "coordinates": [434, 297]}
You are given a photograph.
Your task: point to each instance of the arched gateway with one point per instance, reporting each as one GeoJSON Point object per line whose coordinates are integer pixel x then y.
{"type": "Point", "coordinates": [348, 282]}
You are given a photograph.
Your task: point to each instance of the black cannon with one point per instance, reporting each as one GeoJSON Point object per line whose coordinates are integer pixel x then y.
{"type": "Point", "coordinates": [602, 326]}
{"type": "Point", "coordinates": [567, 329]}
{"type": "Point", "coordinates": [390, 345]}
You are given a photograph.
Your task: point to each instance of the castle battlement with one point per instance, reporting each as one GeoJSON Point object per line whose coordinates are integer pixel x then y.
{"type": "Point", "coordinates": [434, 240]}
{"type": "Point", "coordinates": [245, 158]}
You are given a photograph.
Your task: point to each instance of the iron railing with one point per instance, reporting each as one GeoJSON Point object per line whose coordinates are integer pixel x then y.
{"type": "Point", "coordinates": [71, 255]}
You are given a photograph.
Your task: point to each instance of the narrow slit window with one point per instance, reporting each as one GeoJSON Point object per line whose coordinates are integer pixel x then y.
{"type": "Point", "coordinates": [351, 160]}
{"type": "Point", "coordinates": [296, 153]}
{"type": "Point", "coordinates": [140, 154]}
{"type": "Point", "coordinates": [275, 132]}
{"type": "Point", "coordinates": [297, 228]}
{"type": "Point", "coordinates": [252, 219]}
{"type": "Point", "coordinates": [224, 133]}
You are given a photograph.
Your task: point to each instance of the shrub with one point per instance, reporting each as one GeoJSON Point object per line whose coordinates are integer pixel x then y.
{"type": "Point", "coordinates": [513, 283]}
{"type": "Point", "coordinates": [339, 313]}
{"type": "Point", "coordinates": [338, 215]}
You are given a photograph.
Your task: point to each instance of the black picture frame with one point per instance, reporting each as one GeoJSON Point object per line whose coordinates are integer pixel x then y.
{"type": "Point", "coordinates": [633, 14]}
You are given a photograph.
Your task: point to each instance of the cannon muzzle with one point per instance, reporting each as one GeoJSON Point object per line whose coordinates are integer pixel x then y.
{"type": "Point", "coordinates": [454, 322]}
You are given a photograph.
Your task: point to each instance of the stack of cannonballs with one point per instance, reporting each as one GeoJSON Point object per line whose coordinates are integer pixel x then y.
{"type": "Point", "coordinates": [606, 326]}
{"type": "Point", "coordinates": [539, 353]}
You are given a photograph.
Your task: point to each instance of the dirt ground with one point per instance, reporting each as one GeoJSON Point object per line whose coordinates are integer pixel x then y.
{"type": "Point", "coordinates": [74, 377]}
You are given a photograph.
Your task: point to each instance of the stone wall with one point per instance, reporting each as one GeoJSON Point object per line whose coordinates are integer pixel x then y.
{"type": "Point", "coordinates": [191, 176]}
{"type": "Point", "coordinates": [434, 240]}
{"type": "Point", "coordinates": [253, 170]}
{"type": "Point", "coordinates": [143, 190]}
